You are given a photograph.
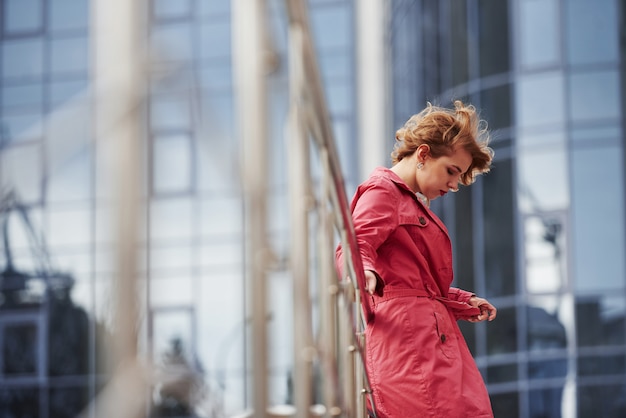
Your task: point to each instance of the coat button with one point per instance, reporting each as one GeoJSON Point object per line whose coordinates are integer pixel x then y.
{"type": "Point", "coordinates": [443, 338]}
{"type": "Point", "coordinates": [422, 220]}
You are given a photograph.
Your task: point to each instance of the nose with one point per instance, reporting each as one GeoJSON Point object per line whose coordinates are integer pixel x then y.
{"type": "Point", "coordinates": [453, 186]}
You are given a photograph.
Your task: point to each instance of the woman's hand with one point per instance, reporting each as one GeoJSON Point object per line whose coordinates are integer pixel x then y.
{"type": "Point", "coordinates": [372, 284]}
{"type": "Point", "coordinates": [487, 310]}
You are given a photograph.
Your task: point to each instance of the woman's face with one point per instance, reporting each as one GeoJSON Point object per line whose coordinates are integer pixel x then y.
{"type": "Point", "coordinates": [440, 175]}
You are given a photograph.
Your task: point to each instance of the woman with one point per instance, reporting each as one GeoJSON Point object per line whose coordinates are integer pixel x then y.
{"type": "Point", "coordinates": [418, 362]}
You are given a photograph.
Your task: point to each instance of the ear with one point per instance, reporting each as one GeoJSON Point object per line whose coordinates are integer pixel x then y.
{"type": "Point", "coordinates": [422, 152]}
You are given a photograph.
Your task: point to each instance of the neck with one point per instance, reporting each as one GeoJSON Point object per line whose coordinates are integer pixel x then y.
{"type": "Point", "coordinates": [406, 171]}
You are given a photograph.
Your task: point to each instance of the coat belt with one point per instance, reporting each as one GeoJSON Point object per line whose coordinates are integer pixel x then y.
{"type": "Point", "coordinates": [461, 310]}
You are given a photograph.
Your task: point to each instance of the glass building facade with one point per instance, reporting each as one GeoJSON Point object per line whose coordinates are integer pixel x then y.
{"type": "Point", "coordinates": [542, 235]}
{"type": "Point", "coordinates": [57, 259]}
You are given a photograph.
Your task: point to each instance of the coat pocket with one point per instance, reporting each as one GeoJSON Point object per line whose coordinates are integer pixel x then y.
{"type": "Point", "coordinates": [446, 338]}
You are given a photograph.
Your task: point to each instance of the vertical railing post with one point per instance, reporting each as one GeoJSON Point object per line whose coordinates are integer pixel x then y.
{"type": "Point", "coordinates": [300, 204]}
{"type": "Point", "coordinates": [249, 53]}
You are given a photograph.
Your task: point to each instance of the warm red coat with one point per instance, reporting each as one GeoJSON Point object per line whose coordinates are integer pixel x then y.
{"type": "Point", "coordinates": [417, 360]}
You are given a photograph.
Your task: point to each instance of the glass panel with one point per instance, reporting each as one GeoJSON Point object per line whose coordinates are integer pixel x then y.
{"type": "Point", "coordinates": [69, 14]}
{"type": "Point", "coordinates": [172, 164]}
{"type": "Point", "coordinates": [339, 96]}
{"type": "Point", "coordinates": [493, 27]}
{"type": "Point", "coordinates": [172, 335]}
{"type": "Point", "coordinates": [502, 334]}
{"type": "Point", "coordinates": [543, 178]}
{"type": "Point", "coordinates": [598, 320]}
{"type": "Point", "coordinates": [546, 402]}
{"type": "Point", "coordinates": [66, 402]}
{"type": "Point", "coordinates": [172, 42]}
{"type": "Point", "coordinates": [171, 219]}
{"type": "Point", "coordinates": [217, 77]}
{"type": "Point", "coordinates": [331, 27]}
{"type": "Point", "coordinates": [68, 335]}
{"type": "Point", "coordinates": [499, 232]}
{"type": "Point", "coordinates": [221, 216]}
{"type": "Point", "coordinates": [30, 95]}
{"type": "Point", "coordinates": [170, 113]}
{"type": "Point", "coordinates": [19, 402]}
{"type": "Point", "coordinates": [545, 332]}
{"type": "Point", "coordinates": [21, 171]}
{"type": "Point", "coordinates": [22, 16]}
{"type": "Point", "coordinates": [592, 31]}
{"type": "Point", "coordinates": [164, 9]}
{"type": "Point", "coordinates": [215, 40]}
{"type": "Point", "coordinates": [502, 373]}
{"type": "Point", "coordinates": [21, 127]}
{"type": "Point", "coordinates": [223, 254]}
{"type": "Point", "coordinates": [61, 91]}
{"type": "Point", "coordinates": [19, 347]}
{"type": "Point", "coordinates": [68, 56]}
{"type": "Point", "coordinates": [69, 227]}
{"type": "Point", "coordinates": [598, 265]}
{"type": "Point", "coordinates": [602, 400]}
{"type": "Point", "coordinates": [505, 404]}
{"type": "Point", "coordinates": [335, 65]}
{"type": "Point", "coordinates": [172, 291]}
{"type": "Point", "coordinates": [71, 179]}
{"type": "Point", "coordinates": [607, 131]}
{"type": "Point", "coordinates": [544, 242]}
{"type": "Point", "coordinates": [22, 59]}
{"type": "Point", "coordinates": [495, 106]}
{"type": "Point", "coordinates": [539, 33]}
{"type": "Point", "coordinates": [541, 100]}
{"type": "Point", "coordinates": [602, 365]}
{"type": "Point", "coordinates": [459, 41]}
{"type": "Point", "coordinates": [214, 8]}
{"type": "Point", "coordinates": [595, 95]}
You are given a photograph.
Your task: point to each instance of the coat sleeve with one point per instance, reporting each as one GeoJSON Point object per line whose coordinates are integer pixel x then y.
{"type": "Point", "coordinates": [459, 294]}
{"type": "Point", "coordinates": [375, 217]}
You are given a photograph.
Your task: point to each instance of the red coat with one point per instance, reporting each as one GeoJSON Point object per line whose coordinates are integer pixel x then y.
{"type": "Point", "coordinates": [417, 360]}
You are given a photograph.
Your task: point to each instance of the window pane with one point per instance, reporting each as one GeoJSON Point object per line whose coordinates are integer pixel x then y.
{"type": "Point", "coordinates": [68, 56]}
{"type": "Point", "coordinates": [601, 401]}
{"type": "Point", "coordinates": [502, 373]}
{"type": "Point", "coordinates": [331, 27]}
{"type": "Point", "coordinates": [167, 113]}
{"type": "Point", "coordinates": [505, 404]}
{"type": "Point", "coordinates": [22, 59]}
{"type": "Point", "coordinates": [21, 170]}
{"type": "Point", "coordinates": [459, 41]}
{"type": "Point", "coordinates": [495, 104]}
{"type": "Point", "coordinates": [172, 164]}
{"type": "Point", "coordinates": [543, 177]}
{"type": "Point", "coordinates": [215, 40]}
{"type": "Point", "coordinates": [69, 14]}
{"type": "Point", "coordinates": [602, 365]}
{"type": "Point", "coordinates": [499, 231]}
{"type": "Point", "coordinates": [172, 335]}
{"type": "Point", "coordinates": [22, 16]}
{"type": "Point", "coordinates": [600, 320]}
{"type": "Point", "coordinates": [172, 42]}
{"type": "Point", "coordinates": [539, 33]}
{"type": "Point", "coordinates": [545, 251]}
{"type": "Point", "coordinates": [595, 95]}
{"type": "Point", "coordinates": [19, 345]}
{"type": "Point", "coordinates": [502, 334]}
{"type": "Point", "coordinates": [493, 30]}
{"type": "Point", "coordinates": [599, 239]}
{"type": "Point", "coordinates": [171, 219]}
{"type": "Point", "coordinates": [592, 31]}
{"type": "Point", "coordinates": [164, 9]}
{"type": "Point", "coordinates": [541, 100]}
{"type": "Point", "coordinates": [28, 95]}
{"type": "Point", "coordinates": [21, 126]}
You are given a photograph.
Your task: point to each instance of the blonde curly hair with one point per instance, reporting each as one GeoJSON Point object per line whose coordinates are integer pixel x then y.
{"type": "Point", "coordinates": [444, 130]}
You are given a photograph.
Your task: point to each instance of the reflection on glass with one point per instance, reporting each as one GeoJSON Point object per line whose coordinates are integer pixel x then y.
{"type": "Point", "coordinates": [592, 31]}
{"type": "Point", "coordinates": [600, 321]}
{"type": "Point", "coordinates": [22, 16]}
{"type": "Point", "coordinates": [498, 102]}
{"type": "Point", "coordinates": [27, 96]}
{"type": "Point", "coordinates": [594, 95]}
{"type": "Point", "coordinates": [215, 40]}
{"type": "Point", "coordinates": [544, 250]}
{"type": "Point", "coordinates": [20, 127]}
{"type": "Point", "coordinates": [170, 112]}
{"type": "Point", "coordinates": [494, 36]}
{"type": "Point", "coordinates": [543, 179]}
{"type": "Point", "coordinates": [503, 404]}
{"type": "Point", "coordinates": [540, 100]}
{"type": "Point", "coordinates": [598, 213]}
{"type": "Point", "coordinates": [171, 219]}
{"type": "Point", "coordinates": [21, 171]}
{"type": "Point", "coordinates": [539, 33]}
{"type": "Point", "coordinates": [502, 373]}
